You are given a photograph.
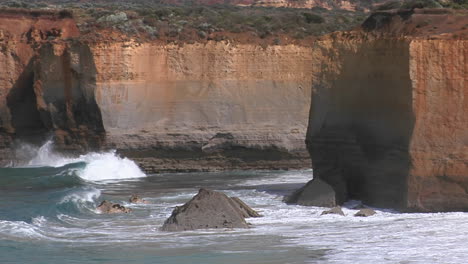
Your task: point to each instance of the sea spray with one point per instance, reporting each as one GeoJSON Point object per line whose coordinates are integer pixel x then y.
{"type": "Point", "coordinates": [99, 166]}
{"type": "Point", "coordinates": [109, 166]}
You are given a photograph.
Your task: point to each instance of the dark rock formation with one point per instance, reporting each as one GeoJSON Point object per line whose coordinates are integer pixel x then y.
{"type": "Point", "coordinates": [365, 212]}
{"type": "Point", "coordinates": [335, 210]}
{"type": "Point", "coordinates": [107, 207]}
{"type": "Point", "coordinates": [315, 193]}
{"type": "Point", "coordinates": [208, 209]}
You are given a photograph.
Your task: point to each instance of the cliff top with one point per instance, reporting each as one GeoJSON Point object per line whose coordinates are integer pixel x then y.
{"type": "Point", "coordinates": [422, 23]}
{"type": "Point", "coordinates": [144, 21]}
{"type": "Point", "coordinates": [159, 22]}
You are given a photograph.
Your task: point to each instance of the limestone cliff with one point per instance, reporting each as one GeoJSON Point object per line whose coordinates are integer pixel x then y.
{"type": "Point", "coordinates": [235, 105]}
{"type": "Point", "coordinates": [388, 121]}
{"type": "Point", "coordinates": [195, 106]}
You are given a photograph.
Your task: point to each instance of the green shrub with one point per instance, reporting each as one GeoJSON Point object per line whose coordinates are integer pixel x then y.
{"type": "Point", "coordinates": [313, 18]}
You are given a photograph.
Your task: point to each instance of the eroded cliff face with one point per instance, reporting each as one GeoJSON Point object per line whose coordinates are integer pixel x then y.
{"type": "Point", "coordinates": [22, 36]}
{"type": "Point", "coordinates": [170, 107]}
{"type": "Point", "coordinates": [388, 121]}
{"type": "Point", "coordinates": [214, 105]}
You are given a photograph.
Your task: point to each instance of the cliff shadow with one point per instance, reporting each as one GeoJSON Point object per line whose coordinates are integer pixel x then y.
{"type": "Point", "coordinates": [361, 123]}
{"type": "Point", "coordinates": [65, 90]}
{"type": "Point", "coordinates": [21, 101]}
{"type": "Point", "coordinates": [55, 95]}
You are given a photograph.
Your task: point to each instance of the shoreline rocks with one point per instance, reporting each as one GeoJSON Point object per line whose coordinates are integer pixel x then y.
{"type": "Point", "coordinates": [315, 193]}
{"type": "Point", "coordinates": [365, 212]}
{"type": "Point", "coordinates": [137, 200]}
{"type": "Point", "coordinates": [335, 210]}
{"type": "Point", "coordinates": [107, 207]}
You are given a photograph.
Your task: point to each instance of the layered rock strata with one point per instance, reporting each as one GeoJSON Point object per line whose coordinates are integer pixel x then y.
{"type": "Point", "coordinates": [170, 107]}
{"type": "Point", "coordinates": [389, 115]}
{"type": "Point", "coordinates": [210, 106]}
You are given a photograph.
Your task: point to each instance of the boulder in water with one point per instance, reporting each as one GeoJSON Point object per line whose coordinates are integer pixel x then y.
{"type": "Point", "coordinates": [315, 193]}
{"type": "Point", "coordinates": [112, 208]}
{"type": "Point", "coordinates": [209, 209]}
{"type": "Point", "coordinates": [335, 210]}
{"type": "Point", "coordinates": [137, 200]}
{"type": "Point", "coordinates": [365, 212]}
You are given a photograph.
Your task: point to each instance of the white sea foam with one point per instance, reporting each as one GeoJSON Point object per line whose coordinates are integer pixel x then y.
{"type": "Point", "coordinates": [88, 195]}
{"type": "Point", "coordinates": [99, 166]}
{"type": "Point", "coordinates": [19, 230]}
{"type": "Point", "coordinates": [109, 166]}
{"type": "Point", "coordinates": [45, 156]}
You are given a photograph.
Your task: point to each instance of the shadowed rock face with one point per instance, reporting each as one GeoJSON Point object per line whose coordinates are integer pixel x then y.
{"type": "Point", "coordinates": [55, 95]}
{"type": "Point", "coordinates": [389, 116]}
{"type": "Point", "coordinates": [315, 193]}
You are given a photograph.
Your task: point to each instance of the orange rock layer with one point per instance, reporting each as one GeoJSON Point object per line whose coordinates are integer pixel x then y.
{"type": "Point", "coordinates": [389, 113]}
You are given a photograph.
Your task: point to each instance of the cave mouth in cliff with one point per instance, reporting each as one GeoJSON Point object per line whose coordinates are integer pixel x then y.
{"type": "Point", "coordinates": [21, 100]}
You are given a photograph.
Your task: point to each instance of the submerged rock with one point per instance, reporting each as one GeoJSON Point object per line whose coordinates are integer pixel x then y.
{"type": "Point", "coordinates": [112, 208]}
{"type": "Point", "coordinates": [209, 209]}
{"type": "Point", "coordinates": [365, 212]}
{"type": "Point", "coordinates": [137, 200]}
{"type": "Point", "coordinates": [315, 193]}
{"type": "Point", "coordinates": [335, 210]}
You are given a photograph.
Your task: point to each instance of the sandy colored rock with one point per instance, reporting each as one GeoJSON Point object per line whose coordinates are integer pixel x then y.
{"type": "Point", "coordinates": [335, 210]}
{"type": "Point", "coordinates": [365, 212]}
{"type": "Point", "coordinates": [137, 200]}
{"type": "Point", "coordinates": [208, 209]}
{"type": "Point", "coordinates": [170, 107]}
{"type": "Point", "coordinates": [246, 210]}
{"type": "Point", "coordinates": [107, 207]}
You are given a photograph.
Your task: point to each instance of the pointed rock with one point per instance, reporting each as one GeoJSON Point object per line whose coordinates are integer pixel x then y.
{"type": "Point", "coordinates": [207, 209]}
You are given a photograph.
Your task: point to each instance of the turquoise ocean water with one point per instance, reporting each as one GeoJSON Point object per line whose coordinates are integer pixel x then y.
{"type": "Point", "coordinates": [47, 215]}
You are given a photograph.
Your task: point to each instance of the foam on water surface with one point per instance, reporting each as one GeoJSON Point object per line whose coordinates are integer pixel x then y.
{"type": "Point", "coordinates": [285, 233]}
{"type": "Point", "coordinates": [99, 166]}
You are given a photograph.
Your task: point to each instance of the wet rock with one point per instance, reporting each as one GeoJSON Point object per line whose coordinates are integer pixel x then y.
{"type": "Point", "coordinates": [137, 200]}
{"type": "Point", "coordinates": [335, 210]}
{"type": "Point", "coordinates": [107, 207]}
{"type": "Point", "coordinates": [315, 193]}
{"type": "Point", "coordinates": [365, 212]}
{"type": "Point", "coordinates": [246, 210]}
{"type": "Point", "coordinates": [207, 209]}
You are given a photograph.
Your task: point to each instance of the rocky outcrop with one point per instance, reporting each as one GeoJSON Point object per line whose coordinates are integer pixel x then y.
{"type": "Point", "coordinates": [335, 210]}
{"type": "Point", "coordinates": [137, 200]}
{"type": "Point", "coordinates": [366, 212]}
{"type": "Point", "coordinates": [208, 209]}
{"type": "Point", "coordinates": [199, 106]}
{"type": "Point", "coordinates": [107, 207]}
{"type": "Point", "coordinates": [315, 193]}
{"type": "Point", "coordinates": [389, 113]}
{"type": "Point", "coordinates": [22, 34]}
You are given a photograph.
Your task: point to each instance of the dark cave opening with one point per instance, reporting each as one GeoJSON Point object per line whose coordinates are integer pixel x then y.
{"type": "Point", "coordinates": [21, 101]}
